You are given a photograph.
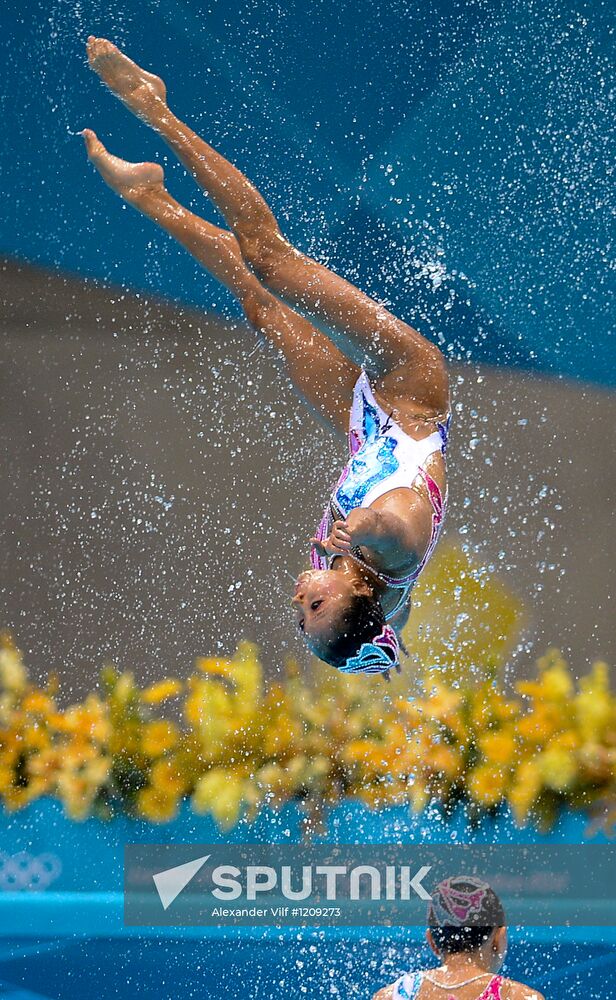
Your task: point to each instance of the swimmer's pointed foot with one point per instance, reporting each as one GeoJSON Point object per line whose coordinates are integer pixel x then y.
{"type": "Point", "coordinates": [130, 180]}
{"type": "Point", "coordinates": [142, 92]}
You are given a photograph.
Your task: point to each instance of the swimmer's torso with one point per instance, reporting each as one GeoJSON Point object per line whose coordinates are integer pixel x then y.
{"type": "Point", "coordinates": [388, 469]}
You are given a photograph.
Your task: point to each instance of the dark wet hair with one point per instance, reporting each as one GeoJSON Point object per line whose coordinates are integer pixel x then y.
{"type": "Point", "coordinates": [361, 621]}
{"type": "Point", "coordinates": [463, 914]}
{"type": "Point", "coordinates": [453, 940]}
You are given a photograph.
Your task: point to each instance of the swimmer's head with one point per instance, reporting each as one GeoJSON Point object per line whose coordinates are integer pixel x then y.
{"type": "Point", "coordinates": [466, 916]}
{"type": "Point", "coordinates": [340, 617]}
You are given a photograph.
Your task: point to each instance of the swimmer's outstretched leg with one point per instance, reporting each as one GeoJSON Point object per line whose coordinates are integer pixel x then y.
{"type": "Point", "coordinates": [410, 367]}
{"type": "Point", "coordinates": [142, 186]}
{"type": "Point", "coordinates": [322, 375]}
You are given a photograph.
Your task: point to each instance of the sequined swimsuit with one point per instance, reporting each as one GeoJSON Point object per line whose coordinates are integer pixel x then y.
{"type": "Point", "coordinates": [407, 988]}
{"type": "Point", "coordinates": [382, 458]}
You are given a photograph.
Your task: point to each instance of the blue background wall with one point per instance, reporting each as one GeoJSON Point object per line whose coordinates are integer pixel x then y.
{"type": "Point", "coordinates": [452, 158]}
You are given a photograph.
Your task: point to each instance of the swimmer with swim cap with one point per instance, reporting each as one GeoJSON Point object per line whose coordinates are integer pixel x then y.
{"type": "Point", "coordinates": [467, 933]}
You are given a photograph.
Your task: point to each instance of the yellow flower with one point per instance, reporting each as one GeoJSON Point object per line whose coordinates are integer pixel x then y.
{"type": "Point", "coordinates": [356, 750]}
{"type": "Point", "coordinates": [555, 683]}
{"type": "Point", "coordinates": [243, 674]}
{"type": "Point", "coordinates": [156, 805]}
{"type": "Point", "coordinates": [82, 773]}
{"type": "Point", "coordinates": [418, 794]}
{"type": "Point", "coordinates": [445, 760]}
{"type": "Point", "coordinates": [595, 706]}
{"type": "Point", "coordinates": [558, 767]}
{"type": "Point", "coordinates": [34, 738]}
{"type": "Point", "coordinates": [37, 702]}
{"type": "Point", "coordinates": [224, 706]}
{"type": "Point", "coordinates": [90, 720]}
{"type": "Point", "coordinates": [221, 792]}
{"type": "Point", "coordinates": [441, 702]}
{"type": "Point", "coordinates": [210, 710]}
{"type": "Point", "coordinates": [46, 763]}
{"type": "Point", "coordinates": [18, 796]}
{"type": "Point", "coordinates": [317, 768]}
{"type": "Point", "coordinates": [499, 747]}
{"type": "Point", "coordinates": [282, 728]}
{"type": "Point", "coordinates": [553, 659]}
{"type": "Point", "coordinates": [541, 723]}
{"type": "Point", "coordinates": [487, 784]}
{"type": "Point", "coordinates": [166, 777]}
{"type": "Point", "coordinates": [157, 693]}
{"type": "Point", "coordinates": [278, 783]}
{"type": "Point", "coordinates": [158, 736]}
{"type": "Point", "coordinates": [7, 704]}
{"type": "Point", "coordinates": [527, 784]}
{"type": "Point", "coordinates": [13, 675]}
{"type": "Point", "coordinates": [6, 772]}
{"type": "Point", "coordinates": [489, 706]}
{"type": "Point", "coordinates": [124, 687]}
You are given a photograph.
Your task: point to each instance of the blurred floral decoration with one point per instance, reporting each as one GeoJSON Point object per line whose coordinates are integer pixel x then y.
{"type": "Point", "coordinates": [452, 732]}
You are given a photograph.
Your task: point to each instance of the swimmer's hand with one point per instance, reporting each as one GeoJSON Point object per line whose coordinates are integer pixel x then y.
{"type": "Point", "coordinates": [361, 527]}
{"type": "Point", "coordinates": [338, 541]}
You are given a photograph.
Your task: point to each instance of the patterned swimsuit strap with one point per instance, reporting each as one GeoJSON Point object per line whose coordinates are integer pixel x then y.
{"type": "Point", "coordinates": [492, 990]}
{"type": "Point", "coordinates": [407, 988]}
{"type": "Point", "coordinates": [434, 492]}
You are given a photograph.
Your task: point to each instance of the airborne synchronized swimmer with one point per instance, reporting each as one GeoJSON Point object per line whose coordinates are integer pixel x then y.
{"type": "Point", "coordinates": [385, 514]}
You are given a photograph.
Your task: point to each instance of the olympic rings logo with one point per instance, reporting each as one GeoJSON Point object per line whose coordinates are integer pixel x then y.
{"type": "Point", "coordinates": [29, 872]}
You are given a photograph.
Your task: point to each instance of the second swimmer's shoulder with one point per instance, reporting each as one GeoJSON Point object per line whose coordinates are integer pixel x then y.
{"type": "Point", "coordinates": [512, 990]}
{"type": "Point", "coordinates": [386, 993]}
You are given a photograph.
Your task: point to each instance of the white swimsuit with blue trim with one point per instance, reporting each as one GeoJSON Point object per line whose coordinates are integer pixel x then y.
{"type": "Point", "coordinates": [382, 458]}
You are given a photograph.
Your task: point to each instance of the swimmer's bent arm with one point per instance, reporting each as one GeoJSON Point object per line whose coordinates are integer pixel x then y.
{"type": "Point", "coordinates": [382, 531]}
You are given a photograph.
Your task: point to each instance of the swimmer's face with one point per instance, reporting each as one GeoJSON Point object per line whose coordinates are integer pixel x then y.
{"type": "Point", "coordinates": [321, 597]}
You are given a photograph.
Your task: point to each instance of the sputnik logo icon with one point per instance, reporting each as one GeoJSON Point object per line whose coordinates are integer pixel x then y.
{"type": "Point", "coordinates": [170, 883]}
